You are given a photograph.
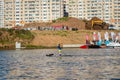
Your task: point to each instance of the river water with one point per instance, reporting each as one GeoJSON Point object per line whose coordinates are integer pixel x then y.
{"type": "Point", "coordinates": [74, 64]}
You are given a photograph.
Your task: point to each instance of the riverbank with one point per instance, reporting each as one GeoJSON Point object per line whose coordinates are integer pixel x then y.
{"type": "Point", "coordinates": [50, 39]}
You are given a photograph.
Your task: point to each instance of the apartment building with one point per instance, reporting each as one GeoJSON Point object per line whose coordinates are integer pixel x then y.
{"type": "Point", "coordinates": [1, 13]}
{"type": "Point", "coordinates": [117, 12]}
{"type": "Point", "coordinates": [107, 10]}
{"type": "Point", "coordinates": [9, 13]}
{"type": "Point", "coordinates": [86, 9]}
{"type": "Point", "coordinates": [19, 12]}
{"type": "Point", "coordinates": [76, 8]}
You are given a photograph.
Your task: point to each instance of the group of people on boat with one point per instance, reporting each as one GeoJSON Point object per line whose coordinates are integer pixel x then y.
{"type": "Point", "coordinates": [97, 40]}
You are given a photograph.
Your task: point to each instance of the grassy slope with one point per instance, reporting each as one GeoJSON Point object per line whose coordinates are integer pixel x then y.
{"type": "Point", "coordinates": [52, 38]}
{"type": "Point", "coordinates": [44, 38]}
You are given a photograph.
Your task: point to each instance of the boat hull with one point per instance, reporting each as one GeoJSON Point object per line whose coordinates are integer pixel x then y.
{"type": "Point", "coordinates": [89, 46]}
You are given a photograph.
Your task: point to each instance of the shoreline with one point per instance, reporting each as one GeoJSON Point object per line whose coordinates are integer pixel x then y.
{"type": "Point", "coordinates": [50, 39]}
{"type": "Point", "coordinates": [38, 47]}
{"type": "Point", "coordinates": [32, 47]}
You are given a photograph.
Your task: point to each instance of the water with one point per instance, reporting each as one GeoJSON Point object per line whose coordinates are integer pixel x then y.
{"type": "Point", "coordinates": [75, 64]}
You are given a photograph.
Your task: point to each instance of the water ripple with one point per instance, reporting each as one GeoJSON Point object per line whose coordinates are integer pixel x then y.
{"type": "Point", "coordinates": [74, 64]}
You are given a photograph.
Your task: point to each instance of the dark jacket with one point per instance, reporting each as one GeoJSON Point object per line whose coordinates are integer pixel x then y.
{"type": "Point", "coordinates": [59, 47]}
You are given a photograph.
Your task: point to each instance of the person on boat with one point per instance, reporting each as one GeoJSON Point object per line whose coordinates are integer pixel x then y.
{"type": "Point", "coordinates": [119, 37]}
{"type": "Point", "coordinates": [59, 49]}
{"type": "Point", "coordinates": [87, 40]}
{"type": "Point", "coordinates": [112, 36]}
{"type": "Point", "coordinates": [99, 42]}
{"type": "Point", "coordinates": [106, 35]}
{"type": "Point", "coordinates": [95, 38]}
{"type": "Point", "coordinates": [116, 38]}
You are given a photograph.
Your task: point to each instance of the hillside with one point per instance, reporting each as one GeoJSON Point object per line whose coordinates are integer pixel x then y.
{"type": "Point", "coordinates": [71, 22]}
{"type": "Point", "coordinates": [65, 21]}
{"type": "Point", "coordinates": [52, 38]}
{"type": "Point", "coordinates": [41, 39]}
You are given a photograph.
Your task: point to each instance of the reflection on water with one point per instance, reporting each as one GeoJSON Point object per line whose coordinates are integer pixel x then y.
{"type": "Point", "coordinates": [74, 64]}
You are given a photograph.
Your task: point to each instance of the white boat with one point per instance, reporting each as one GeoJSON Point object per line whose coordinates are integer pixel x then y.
{"type": "Point", "coordinates": [113, 44]}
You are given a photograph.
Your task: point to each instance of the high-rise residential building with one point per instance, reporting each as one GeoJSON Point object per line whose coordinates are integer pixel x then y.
{"type": "Point", "coordinates": [1, 13]}
{"type": "Point", "coordinates": [107, 10]}
{"type": "Point", "coordinates": [77, 8]}
{"type": "Point", "coordinates": [9, 13]}
{"type": "Point", "coordinates": [117, 12]}
{"type": "Point", "coordinates": [18, 12]}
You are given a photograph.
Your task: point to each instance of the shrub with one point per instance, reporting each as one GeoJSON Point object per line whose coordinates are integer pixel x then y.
{"type": "Point", "coordinates": [0, 33]}
{"type": "Point", "coordinates": [53, 21]}
{"type": "Point", "coordinates": [24, 34]}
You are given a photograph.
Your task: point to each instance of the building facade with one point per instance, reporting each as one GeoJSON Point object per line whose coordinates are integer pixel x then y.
{"type": "Point", "coordinates": [19, 12]}
{"type": "Point", "coordinates": [1, 13]}
{"type": "Point", "coordinates": [9, 13]}
{"type": "Point", "coordinates": [117, 12]}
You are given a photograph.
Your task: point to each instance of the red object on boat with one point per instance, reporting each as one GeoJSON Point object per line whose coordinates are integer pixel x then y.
{"type": "Point", "coordinates": [84, 47]}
